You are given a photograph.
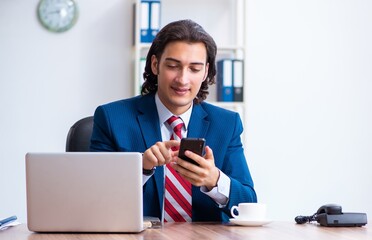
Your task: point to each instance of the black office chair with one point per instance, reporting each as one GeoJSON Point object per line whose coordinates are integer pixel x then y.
{"type": "Point", "coordinates": [78, 137]}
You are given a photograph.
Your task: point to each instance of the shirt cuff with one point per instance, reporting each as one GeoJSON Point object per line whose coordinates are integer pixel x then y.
{"type": "Point", "coordinates": [145, 177]}
{"type": "Point", "coordinates": [220, 194]}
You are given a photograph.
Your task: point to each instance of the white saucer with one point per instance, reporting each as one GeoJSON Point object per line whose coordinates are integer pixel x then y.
{"type": "Point", "coordinates": [249, 223]}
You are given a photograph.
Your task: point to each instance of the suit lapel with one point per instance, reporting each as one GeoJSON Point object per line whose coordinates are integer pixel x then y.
{"type": "Point", "coordinates": [149, 123]}
{"type": "Point", "coordinates": [148, 120]}
{"type": "Point", "coordinates": [198, 126]}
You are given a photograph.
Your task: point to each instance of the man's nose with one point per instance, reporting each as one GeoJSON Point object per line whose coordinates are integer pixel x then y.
{"type": "Point", "coordinates": [183, 76]}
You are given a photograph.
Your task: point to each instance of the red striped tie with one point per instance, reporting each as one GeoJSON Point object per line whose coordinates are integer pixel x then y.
{"type": "Point", "coordinates": [177, 202]}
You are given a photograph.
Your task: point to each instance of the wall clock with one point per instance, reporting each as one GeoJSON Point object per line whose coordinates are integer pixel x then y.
{"type": "Point", "coordinates": [57, 15]}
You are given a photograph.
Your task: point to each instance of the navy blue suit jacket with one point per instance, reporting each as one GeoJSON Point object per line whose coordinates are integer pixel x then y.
{"type": "Point", "coordinates": [132, 125]}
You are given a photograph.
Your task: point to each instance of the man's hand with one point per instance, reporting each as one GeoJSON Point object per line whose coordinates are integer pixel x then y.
{"type": "Point", "coordinates": [206, 174]}
{"type": "Point", "coordinates": [159, 154]}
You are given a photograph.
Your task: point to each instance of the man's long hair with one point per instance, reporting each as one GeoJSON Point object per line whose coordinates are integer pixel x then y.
{"type": "Point", "coordinates": [183, 30]}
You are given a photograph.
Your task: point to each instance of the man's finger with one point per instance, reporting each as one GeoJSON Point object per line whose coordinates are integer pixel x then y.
{"type": "Point", "coordinates": [208, 153]}
{"type": "Point", "coordinates": [172, 143]}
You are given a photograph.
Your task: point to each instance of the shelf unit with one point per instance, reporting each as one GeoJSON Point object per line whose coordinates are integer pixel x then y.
{"type": "Point", "coordinates": [225, 23]}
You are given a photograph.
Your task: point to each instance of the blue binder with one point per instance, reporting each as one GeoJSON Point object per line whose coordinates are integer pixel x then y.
{"type": "Point", "coordinates": [150, 20]}
{"type": "Point", "coordinates": [225, 89]}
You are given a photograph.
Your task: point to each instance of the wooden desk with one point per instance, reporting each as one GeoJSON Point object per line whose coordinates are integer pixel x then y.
{"type": "Point", "coordinates": [212, 231]}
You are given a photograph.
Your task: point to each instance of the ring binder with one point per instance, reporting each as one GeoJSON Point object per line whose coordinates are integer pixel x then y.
{"type": "Point", "coordinates": [150, 20]}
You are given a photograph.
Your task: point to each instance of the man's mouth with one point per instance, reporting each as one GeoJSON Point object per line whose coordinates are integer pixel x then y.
{"type": "Point", "coordinates": [180, 90]}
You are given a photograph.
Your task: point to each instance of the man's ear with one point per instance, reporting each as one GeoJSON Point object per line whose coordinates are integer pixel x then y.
{"type": "Point", "coordinates": [154, 65]}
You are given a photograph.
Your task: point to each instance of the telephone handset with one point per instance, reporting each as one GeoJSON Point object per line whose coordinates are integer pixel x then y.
{"type": "Point", "coordinates": [330, 209]}
{"type": "Point", "coordinates": [331, 215]}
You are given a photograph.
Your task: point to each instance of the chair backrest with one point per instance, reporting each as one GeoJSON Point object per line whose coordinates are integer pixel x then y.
{"type": "Point", "coordinates": [78, 137]}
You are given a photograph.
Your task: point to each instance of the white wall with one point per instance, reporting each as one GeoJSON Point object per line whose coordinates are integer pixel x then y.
{"type": "Point", "coordinates": [309, 81]}
{"type": "Point", "coordinates": [309, 112]}
{"type": "Point", "coordinates": [49, 81]}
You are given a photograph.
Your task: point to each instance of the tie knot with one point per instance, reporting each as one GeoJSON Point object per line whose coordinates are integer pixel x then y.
{"type": "Point", "coordinates": [172, 119]}
{"type": "Point", "coordinates": [175, 121]}
{"type": "Point", "coordinates": [176, 124]}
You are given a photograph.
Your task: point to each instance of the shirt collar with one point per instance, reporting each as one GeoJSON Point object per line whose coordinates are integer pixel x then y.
{"type": "Point", "coordinates": [165, 114]}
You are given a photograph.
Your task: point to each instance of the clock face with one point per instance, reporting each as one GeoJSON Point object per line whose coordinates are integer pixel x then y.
{"type": "Point", "coordinates": [57, 15]}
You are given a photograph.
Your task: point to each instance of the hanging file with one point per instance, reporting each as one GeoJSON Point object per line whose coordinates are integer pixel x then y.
{"type": "Point", "coordinates": [142, 66]}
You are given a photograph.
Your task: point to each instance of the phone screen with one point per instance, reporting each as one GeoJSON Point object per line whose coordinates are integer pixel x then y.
{"type": "Point", "coordinates": [195, 145]}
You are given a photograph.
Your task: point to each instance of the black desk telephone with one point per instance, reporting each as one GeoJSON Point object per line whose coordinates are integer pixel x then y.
{"type": "Point", "coordinates": [331, 215]}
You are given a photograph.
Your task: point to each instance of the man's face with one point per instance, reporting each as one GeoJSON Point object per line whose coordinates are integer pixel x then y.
{"type": "Point", "coordinates": [181, 71]}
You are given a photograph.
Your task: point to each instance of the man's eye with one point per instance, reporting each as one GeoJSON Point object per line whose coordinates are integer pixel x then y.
{"type": "Point", "coordinates": [195, 69]}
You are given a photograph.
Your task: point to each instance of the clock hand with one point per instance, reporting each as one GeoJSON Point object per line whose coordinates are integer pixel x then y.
{"type": "Point", "coordinates": [61, 12]}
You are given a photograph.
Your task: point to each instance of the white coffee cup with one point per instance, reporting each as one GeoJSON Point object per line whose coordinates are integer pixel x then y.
{"type": "Point", "coordinates": [250, 211]}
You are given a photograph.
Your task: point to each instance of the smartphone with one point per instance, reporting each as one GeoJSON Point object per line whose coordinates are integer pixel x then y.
{"type": "Point", "coordinates": [195, 145]}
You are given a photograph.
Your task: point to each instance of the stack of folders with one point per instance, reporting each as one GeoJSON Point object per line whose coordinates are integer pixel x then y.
{"type": "Point", "coordinates": [150, 20]}
{"type": "Point", "coordinates": [230, 80]}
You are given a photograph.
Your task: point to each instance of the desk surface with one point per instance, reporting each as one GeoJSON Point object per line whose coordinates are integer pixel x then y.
{"type": "Point", "coordinates": [213, 231]}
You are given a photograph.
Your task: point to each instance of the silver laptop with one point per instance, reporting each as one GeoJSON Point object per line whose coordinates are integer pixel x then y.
{"type": "Point", "coordinates": [84, 192]}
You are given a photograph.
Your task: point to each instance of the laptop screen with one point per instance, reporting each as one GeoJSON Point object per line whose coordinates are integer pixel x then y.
{"type": "Point", "coordinates": [84, 192]}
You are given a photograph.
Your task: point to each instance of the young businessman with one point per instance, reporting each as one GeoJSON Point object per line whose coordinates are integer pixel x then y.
{"type": "Point", "coordinates": [179, 67]}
